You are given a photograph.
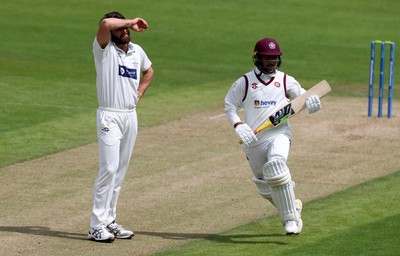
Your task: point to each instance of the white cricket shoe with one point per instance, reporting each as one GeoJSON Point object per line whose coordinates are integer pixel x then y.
{"type": "Point", "coordinates": [119, 232]}
{"type": "Point", "coordinates": [100, 234]}
{"type": "Point", "coordinates": [299, 206]}
{"type": "Point", "coordinates": [291, 227]}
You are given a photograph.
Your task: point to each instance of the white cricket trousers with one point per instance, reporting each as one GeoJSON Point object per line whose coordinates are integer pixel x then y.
{"type": "Point", "coordinates": [117, 132]}
{"type": "Point", "coordinates": [276, 147]}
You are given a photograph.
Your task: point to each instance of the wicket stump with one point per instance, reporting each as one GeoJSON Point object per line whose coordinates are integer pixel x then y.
{"type": "Point", "coordinates": [381, 77]}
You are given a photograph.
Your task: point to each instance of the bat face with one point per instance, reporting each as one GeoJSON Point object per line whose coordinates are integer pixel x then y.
{"type": "Point", "coordinates": [281, 115]}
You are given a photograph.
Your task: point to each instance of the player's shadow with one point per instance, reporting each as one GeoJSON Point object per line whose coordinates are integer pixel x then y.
{"type": "Point", "coordinates": [42, 231]}
{"type": "Point", "coordinates": [218, 238]}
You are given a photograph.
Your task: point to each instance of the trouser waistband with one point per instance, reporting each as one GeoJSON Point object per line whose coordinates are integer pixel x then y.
{"type": "Point", "coordinates": [125, 110]}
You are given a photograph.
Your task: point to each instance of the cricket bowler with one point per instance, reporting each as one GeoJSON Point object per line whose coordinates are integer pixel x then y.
{"type": "Point", "coordinates": [123, 74]}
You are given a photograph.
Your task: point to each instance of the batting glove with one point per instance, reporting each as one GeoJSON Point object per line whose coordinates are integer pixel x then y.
{"type": "Point", "coordinates": [313, 104]}
{"type": "Point", "coordinates": [245, 134]}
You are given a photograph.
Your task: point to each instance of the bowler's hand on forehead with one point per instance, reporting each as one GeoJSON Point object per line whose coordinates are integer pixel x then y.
{"type": "Point", "coordinates": [139, 25]}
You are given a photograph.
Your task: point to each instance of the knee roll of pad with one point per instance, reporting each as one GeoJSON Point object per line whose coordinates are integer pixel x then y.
{"type": "Point", "coordinates": [276, 173]}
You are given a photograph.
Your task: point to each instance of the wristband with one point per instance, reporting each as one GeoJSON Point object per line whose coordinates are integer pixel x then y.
{"type": "Point", "coordinates": [236, 124]}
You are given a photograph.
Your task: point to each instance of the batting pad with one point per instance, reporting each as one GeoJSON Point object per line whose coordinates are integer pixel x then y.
{"type": "Point", "coordinates": [277, 176]}
{"type": "Point", "coordinates": [263, 189]}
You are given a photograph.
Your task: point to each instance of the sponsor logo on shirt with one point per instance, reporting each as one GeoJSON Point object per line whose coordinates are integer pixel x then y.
{"type": "Point", "coordinates": [127, 72]}
{"type": "Point", "coordinates": [264, 103]}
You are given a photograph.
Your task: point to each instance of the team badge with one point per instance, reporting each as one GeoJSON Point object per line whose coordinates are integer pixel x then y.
{"type": "Point", "coordinates": [272, 45]}
{"type": "Point", "coordinates": [254, 86]}
{"type": "Point", "coordinates": [277, 84]}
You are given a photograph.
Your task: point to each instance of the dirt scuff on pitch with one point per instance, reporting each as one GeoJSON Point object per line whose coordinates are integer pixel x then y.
{"type": "Point", "coordinates": [188, 179]}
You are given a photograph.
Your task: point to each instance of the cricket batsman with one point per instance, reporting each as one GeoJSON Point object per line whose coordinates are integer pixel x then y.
{"type": "Point", "coordinates": [260, 92]}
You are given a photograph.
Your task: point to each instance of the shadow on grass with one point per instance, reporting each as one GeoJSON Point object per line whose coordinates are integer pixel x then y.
{"type": "Point", "coordinates": [218, 238]}
{"type": "Point", "coordinates": [42, 231]}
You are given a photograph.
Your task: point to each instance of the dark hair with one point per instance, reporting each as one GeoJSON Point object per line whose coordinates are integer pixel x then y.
{"type": "Point", "coordinates": [113, 15]}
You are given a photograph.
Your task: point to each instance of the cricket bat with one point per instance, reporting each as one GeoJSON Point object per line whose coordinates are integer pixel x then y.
{"type": "Point", "coordinates": [294, 106]}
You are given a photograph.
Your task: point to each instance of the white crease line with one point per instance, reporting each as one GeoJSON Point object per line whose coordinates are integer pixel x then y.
{"type": "Point", "coordinates": [217, 116]}
{"type": "Point", "coordinates": [221, 115]}
{"type": "Point", "coordinates": [49, 106]}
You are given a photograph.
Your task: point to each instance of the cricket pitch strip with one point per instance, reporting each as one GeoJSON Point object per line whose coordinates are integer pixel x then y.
{"type": "Point", "coordinates": [188, 179]}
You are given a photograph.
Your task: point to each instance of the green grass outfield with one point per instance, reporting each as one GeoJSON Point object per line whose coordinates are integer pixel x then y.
{"type": "Point", "coordinates": [362, 220]}
{"type": "Point", "coordinates": [198, 48]}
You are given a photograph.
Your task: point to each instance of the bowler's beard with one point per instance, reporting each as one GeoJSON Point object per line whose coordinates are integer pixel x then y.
{"type": "Point", "coordinates": [121, 40]}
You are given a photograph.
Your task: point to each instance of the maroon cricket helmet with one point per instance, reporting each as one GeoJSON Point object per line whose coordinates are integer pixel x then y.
{"type": "Point", "coordinates": [267, 46]}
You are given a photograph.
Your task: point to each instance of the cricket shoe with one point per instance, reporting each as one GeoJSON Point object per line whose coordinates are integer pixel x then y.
{"type": "Point", "coordinates": [100, 234]}
{"type": "Point", "coordinates": [119, 232]}
{"type": "Point", "coordinates": [293, 227]}
{"type": "Point", "coordinates": [299, 206]}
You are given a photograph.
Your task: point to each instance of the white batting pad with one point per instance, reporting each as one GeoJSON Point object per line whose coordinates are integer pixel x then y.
{"type": "Point", "coordinates": [263, 189]}
{"type": "Point", "coordinates": [277, 176]}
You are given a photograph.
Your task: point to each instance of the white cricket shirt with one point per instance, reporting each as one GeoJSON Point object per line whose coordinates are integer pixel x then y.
{"type": "Point", "coordinates": [118, 74]}
{"type": "Point", "coordinates": [260, 96]}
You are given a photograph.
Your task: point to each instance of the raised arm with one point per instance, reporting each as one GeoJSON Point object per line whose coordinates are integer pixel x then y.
{"type": "Point", "coordinates": [109, 24]}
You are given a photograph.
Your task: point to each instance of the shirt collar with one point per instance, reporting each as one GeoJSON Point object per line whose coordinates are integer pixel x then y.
{"type": "Point", "coordinates": [262, 75]}
{"type": "Point", "coordinates": [131, 48]}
